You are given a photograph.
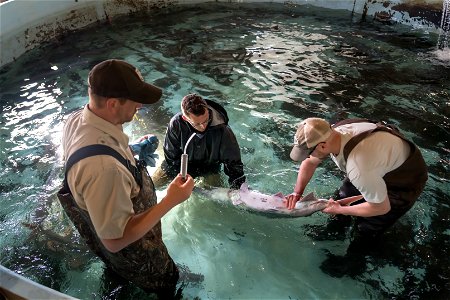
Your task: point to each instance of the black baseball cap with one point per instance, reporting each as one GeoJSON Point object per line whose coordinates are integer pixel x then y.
{"type": "Point", "coordinates": [115, 78]}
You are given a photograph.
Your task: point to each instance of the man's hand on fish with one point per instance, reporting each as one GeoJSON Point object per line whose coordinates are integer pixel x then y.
{"type": "Point", "coordinates": [291, 199]}
{"type": "Point", "coordinates": [333, 207]}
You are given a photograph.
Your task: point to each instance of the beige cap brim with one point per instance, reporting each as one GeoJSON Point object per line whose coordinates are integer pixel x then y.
{"type": "Point", "coordinates": [298, 154]}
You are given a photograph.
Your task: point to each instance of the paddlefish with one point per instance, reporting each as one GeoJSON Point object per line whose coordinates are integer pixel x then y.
{"type": "Point", "coordinates": [271, 204]}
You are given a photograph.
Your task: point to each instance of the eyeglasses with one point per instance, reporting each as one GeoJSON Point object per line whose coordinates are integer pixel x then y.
{"type": "Point", "coordinates": [198, 125]}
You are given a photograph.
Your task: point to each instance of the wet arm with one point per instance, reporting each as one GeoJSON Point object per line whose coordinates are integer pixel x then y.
{"type": "Point", "coordinates": [371, 185]}
{"type": "Point", "coordinates": [305, 173]}
{"type": "Point", "coordinates": [366, 209]}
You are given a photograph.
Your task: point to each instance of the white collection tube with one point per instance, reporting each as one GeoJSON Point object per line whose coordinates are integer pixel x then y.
{"type": "Point", "coordinates": [184, 164]}
{"type": "Point", "coordinates": [184, 158]}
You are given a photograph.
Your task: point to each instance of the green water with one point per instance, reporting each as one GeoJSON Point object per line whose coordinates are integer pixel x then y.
{"type": "Point", "coordinates": [270, 67]}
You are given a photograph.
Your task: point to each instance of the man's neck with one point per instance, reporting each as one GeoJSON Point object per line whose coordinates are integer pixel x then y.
{"type": "Point", "coordinates": [101, 113]}
{"type": "Point", "coordinates": [336, 143]}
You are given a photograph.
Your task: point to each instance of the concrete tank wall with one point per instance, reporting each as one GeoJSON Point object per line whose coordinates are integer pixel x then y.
{"type": "Point", "coordinates": [26, 24]}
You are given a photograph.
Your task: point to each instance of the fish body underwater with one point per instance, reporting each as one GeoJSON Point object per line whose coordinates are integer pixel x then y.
{"type": "Point", "coordinates": [270, 204]}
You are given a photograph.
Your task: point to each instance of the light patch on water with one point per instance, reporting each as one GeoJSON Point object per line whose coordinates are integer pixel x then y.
{"type": "Point", "coordinates": [443, 55]}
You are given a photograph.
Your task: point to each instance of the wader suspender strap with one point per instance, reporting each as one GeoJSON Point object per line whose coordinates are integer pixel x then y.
{"type": "Point", "coordinates": [98, 149]}
{"type": "Point", "coordinates": [381, 126]}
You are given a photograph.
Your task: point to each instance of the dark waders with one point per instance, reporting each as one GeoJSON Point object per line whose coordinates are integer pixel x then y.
{"type": "Point", "coordinates": [404, 184]}
{"type": "Point", "coordinates": [145, 262]}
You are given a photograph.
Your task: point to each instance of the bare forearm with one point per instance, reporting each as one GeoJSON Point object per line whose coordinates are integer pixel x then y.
{"type": "Point", "coordinates": [305, 173]}
{"type": "Point", "coordinates": [365, 209]}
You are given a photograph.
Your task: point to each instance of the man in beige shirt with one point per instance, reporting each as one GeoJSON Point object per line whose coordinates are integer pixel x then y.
{"type": "Point", "coordinates": [108, 195]}
{"type": "Point", "coordinates": [379, 162]}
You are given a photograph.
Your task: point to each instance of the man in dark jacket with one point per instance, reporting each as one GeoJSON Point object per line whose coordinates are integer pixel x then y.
{"type": "Point", "coordinates": [213, 144]}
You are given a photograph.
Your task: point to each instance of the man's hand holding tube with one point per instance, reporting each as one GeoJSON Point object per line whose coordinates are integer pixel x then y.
{"type": "Point", "coordinates": [179, 189]}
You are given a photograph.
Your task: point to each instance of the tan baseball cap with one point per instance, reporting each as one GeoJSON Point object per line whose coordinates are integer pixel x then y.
{"type": "Point", "coordinates": [310, 132]}
{"type": "Point", "coordinates": [115, 78]}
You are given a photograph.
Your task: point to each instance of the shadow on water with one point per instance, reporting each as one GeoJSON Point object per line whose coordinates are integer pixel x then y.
{"type": "Point", "coordinates": [365, 259]}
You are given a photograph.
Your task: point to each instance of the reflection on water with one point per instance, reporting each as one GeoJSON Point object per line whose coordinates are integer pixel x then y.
{"type": "Point", "coordinates": [270, 68]}
{"type": "Point", "coordinates": [445, 26]}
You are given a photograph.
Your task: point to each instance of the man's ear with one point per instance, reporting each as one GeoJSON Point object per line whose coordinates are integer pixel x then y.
{"type": "Point", "coordinates": [111, 103]}
{"type": "Point", "coordinates": [323, 146]}
{"type": "Point", "coordinates": [184, 117]}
